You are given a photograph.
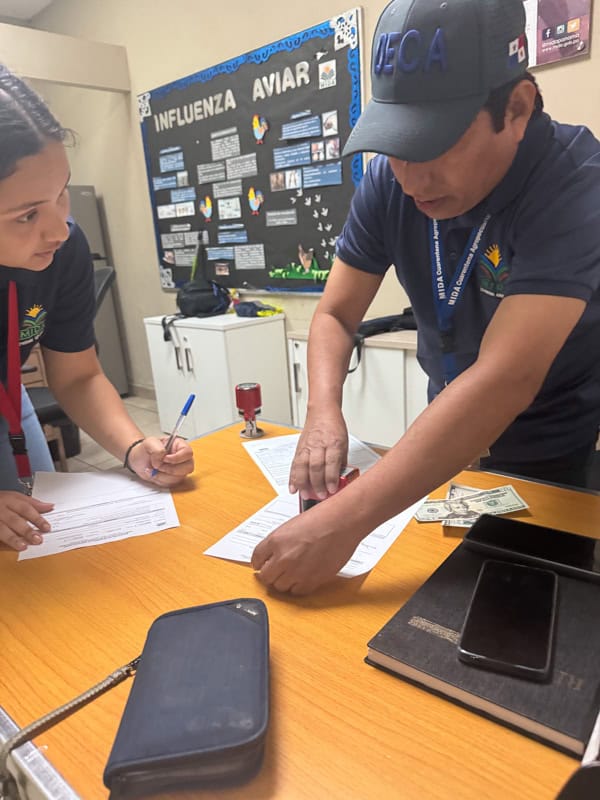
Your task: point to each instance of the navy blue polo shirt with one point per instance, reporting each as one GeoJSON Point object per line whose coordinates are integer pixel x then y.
{"type": "Point", "coordinates": [56, 305]}
{"type": "Point", "coordinates": [543, 238]}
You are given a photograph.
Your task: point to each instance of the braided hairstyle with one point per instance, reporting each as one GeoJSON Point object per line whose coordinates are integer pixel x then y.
{"type": "Point", "coordinates": [26, 123]}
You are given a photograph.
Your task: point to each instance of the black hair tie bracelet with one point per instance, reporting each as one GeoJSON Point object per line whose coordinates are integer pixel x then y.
{"type": "Point", "coordinates": [129, 449]}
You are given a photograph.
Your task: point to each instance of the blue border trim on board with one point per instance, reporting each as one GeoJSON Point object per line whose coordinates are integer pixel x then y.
{"type": "Point", "coordinates": [355, 108]}
{"type": "Point", "coordinates": [148, 160]}
{"type": "Point", "coordinates": [259, 56]}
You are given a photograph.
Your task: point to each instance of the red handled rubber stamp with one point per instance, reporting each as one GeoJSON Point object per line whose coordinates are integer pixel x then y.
{"type": "Point", "coordinates": [348, 475]}
{"type": "Point", "coordinates": [248, 401]}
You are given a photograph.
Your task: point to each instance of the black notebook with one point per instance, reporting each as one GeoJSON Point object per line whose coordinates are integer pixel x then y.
{"type": "Point", "coordinates": [419, 643]}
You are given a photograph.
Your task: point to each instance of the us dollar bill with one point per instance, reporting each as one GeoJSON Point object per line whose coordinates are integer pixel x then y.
{"type": "Point", "coordinates": [459, 490]}
{"type": "Point", "coordinates": [463, 509]}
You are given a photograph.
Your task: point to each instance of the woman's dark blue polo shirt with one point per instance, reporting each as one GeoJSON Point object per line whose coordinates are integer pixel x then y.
{"type": "Point", "coordinates": [56, 304]}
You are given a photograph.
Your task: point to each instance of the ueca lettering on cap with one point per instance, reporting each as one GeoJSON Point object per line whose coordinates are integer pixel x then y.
{"type": "Point", "coordinates": [410, 51]}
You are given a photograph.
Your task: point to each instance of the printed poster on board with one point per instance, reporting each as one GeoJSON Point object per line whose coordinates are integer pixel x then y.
{"type": "Point", "coordinates": [557, 29]}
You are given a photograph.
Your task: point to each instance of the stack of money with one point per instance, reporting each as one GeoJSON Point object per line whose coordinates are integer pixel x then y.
{"type": "Point", "coordinates": [465, 504]}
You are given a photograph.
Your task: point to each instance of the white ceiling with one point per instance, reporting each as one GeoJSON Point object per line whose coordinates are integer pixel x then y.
{"type": "Point", "coordinates": [22, 9]}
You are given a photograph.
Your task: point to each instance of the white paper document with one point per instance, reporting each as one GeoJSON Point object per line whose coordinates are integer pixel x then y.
{"type": "Point", "coordinates": [274, 457]}
{"type": "Point", "coordinates": [239, 544]}
{"type": "Point", "coordinates": [97, 507]}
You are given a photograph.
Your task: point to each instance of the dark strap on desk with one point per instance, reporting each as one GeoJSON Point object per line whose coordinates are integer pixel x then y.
{"type": "Point", "coordinates": [8, 788]}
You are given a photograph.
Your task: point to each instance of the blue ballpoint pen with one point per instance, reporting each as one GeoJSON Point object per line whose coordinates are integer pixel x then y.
{"type": "Point", "coordinates": [177, 427]}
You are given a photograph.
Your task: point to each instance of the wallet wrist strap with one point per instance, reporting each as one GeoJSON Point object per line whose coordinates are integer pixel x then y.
{"type": "Point", "coordinates": [8, 787]}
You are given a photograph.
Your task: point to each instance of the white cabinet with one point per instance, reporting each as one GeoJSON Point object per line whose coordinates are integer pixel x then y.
{"type": "Point", "coordinates": [416, 382]}
{"type": "Point", "coordinates": [208, 357]}
{"type": "Point", "coordinates": [381, 398]}
{"type": "Point", "coordinates": [297, 348]}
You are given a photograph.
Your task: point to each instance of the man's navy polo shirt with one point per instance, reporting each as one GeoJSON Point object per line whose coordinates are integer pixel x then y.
{"type": "Point", "coordinates": [543, 238]}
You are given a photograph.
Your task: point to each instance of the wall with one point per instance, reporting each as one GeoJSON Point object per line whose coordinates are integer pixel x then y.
{"type": "Point", "coordinates": [184, 37]}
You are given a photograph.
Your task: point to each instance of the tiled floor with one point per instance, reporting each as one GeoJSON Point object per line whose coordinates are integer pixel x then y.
{"type": "Point", "coordinates": [93, 457]}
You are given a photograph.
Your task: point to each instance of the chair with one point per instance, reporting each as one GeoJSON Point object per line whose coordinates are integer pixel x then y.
{"type": "Point", "coordinates": [61, 433]}
{"type": "Point", "coordinates": [104, 278]}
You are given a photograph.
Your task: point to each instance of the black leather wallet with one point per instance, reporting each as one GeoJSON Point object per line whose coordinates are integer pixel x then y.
{"type": "Point", "coordinates": [198, 710]}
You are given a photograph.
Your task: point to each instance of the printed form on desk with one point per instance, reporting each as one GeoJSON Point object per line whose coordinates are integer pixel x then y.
{"type": "Point", "coordinates": [274, 457]}
{"type": "Point", "coordinates": [96, 507]}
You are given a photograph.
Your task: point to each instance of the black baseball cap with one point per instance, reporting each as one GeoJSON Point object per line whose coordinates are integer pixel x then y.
{"type": "Point", "coordinates": [433, 65]}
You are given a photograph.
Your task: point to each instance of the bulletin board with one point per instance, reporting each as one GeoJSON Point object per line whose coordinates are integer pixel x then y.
{"type": "Point", "coordinates": [246, 156]}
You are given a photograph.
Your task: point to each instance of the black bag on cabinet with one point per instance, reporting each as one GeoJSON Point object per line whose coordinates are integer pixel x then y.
{"type": "Point", "coordinates": [200, 296]}
{"type": "Point", "coordinates": [371, 327]}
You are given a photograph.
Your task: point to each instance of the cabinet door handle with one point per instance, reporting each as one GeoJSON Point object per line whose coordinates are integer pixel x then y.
{"type": "Point", "coordinates": [188, 359]}
{"type": "Point", "coordinates": [178, 358]}
{"type": "Point", "coordinates": [297, 377]}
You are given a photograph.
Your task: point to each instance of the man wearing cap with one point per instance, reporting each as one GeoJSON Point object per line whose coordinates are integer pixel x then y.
{"type": "Point", "coordinates": [490, 213]}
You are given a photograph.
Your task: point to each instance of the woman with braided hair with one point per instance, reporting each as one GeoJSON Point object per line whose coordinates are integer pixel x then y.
{"type": "Point", "coordinates": [47, 296]}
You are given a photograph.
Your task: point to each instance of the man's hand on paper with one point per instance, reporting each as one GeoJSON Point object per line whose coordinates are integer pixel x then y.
{"type": "Point", "coordinates": [21, 523]}
{"type": "Point", "coordinates": [320, 457]}
{"type": "Point", "coordinates": [172, 467]}
{"type": "Point", "coordinates": [300, 555]}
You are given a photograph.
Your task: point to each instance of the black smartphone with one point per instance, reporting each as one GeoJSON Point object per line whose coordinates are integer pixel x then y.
{"type": "Point", "coordinates": [509, 626]}
{"type": "Point", "coordinates": [510, 539]}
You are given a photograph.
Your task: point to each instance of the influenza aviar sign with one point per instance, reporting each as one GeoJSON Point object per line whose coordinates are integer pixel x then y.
{"type": "Point", "coordinates": [246, 155]}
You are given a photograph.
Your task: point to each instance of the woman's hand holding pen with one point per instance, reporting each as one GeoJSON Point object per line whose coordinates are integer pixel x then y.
{"type": "Point", "coordinates": [170, 468]}
{"type": "Point", "coordinates": [173, 459]}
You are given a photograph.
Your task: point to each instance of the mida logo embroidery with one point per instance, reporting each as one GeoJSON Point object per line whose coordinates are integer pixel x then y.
{"type": "Point", "coordinates": [493, 273]}
{"type": "Point", "coordinates": [33, 324]}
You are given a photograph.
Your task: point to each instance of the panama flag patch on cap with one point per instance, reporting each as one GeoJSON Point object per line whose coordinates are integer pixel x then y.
{"type": "Point", "coordinates": [517, 52]}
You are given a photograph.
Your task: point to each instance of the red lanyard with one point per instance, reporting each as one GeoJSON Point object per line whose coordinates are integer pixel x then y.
{"type": "Point", "coordinates": [10, 397]}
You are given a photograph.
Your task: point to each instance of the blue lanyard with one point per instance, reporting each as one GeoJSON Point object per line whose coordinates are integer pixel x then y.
{"type": "Point", "coordinates": [446, 298]}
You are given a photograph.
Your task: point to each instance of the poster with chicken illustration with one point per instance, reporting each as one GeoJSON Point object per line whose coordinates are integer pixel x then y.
{"type": "Point", "coordinates": [246, 157]}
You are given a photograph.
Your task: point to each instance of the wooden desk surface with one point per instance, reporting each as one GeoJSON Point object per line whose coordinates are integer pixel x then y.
{"type": "Point", "coordinates": [339, 728]}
